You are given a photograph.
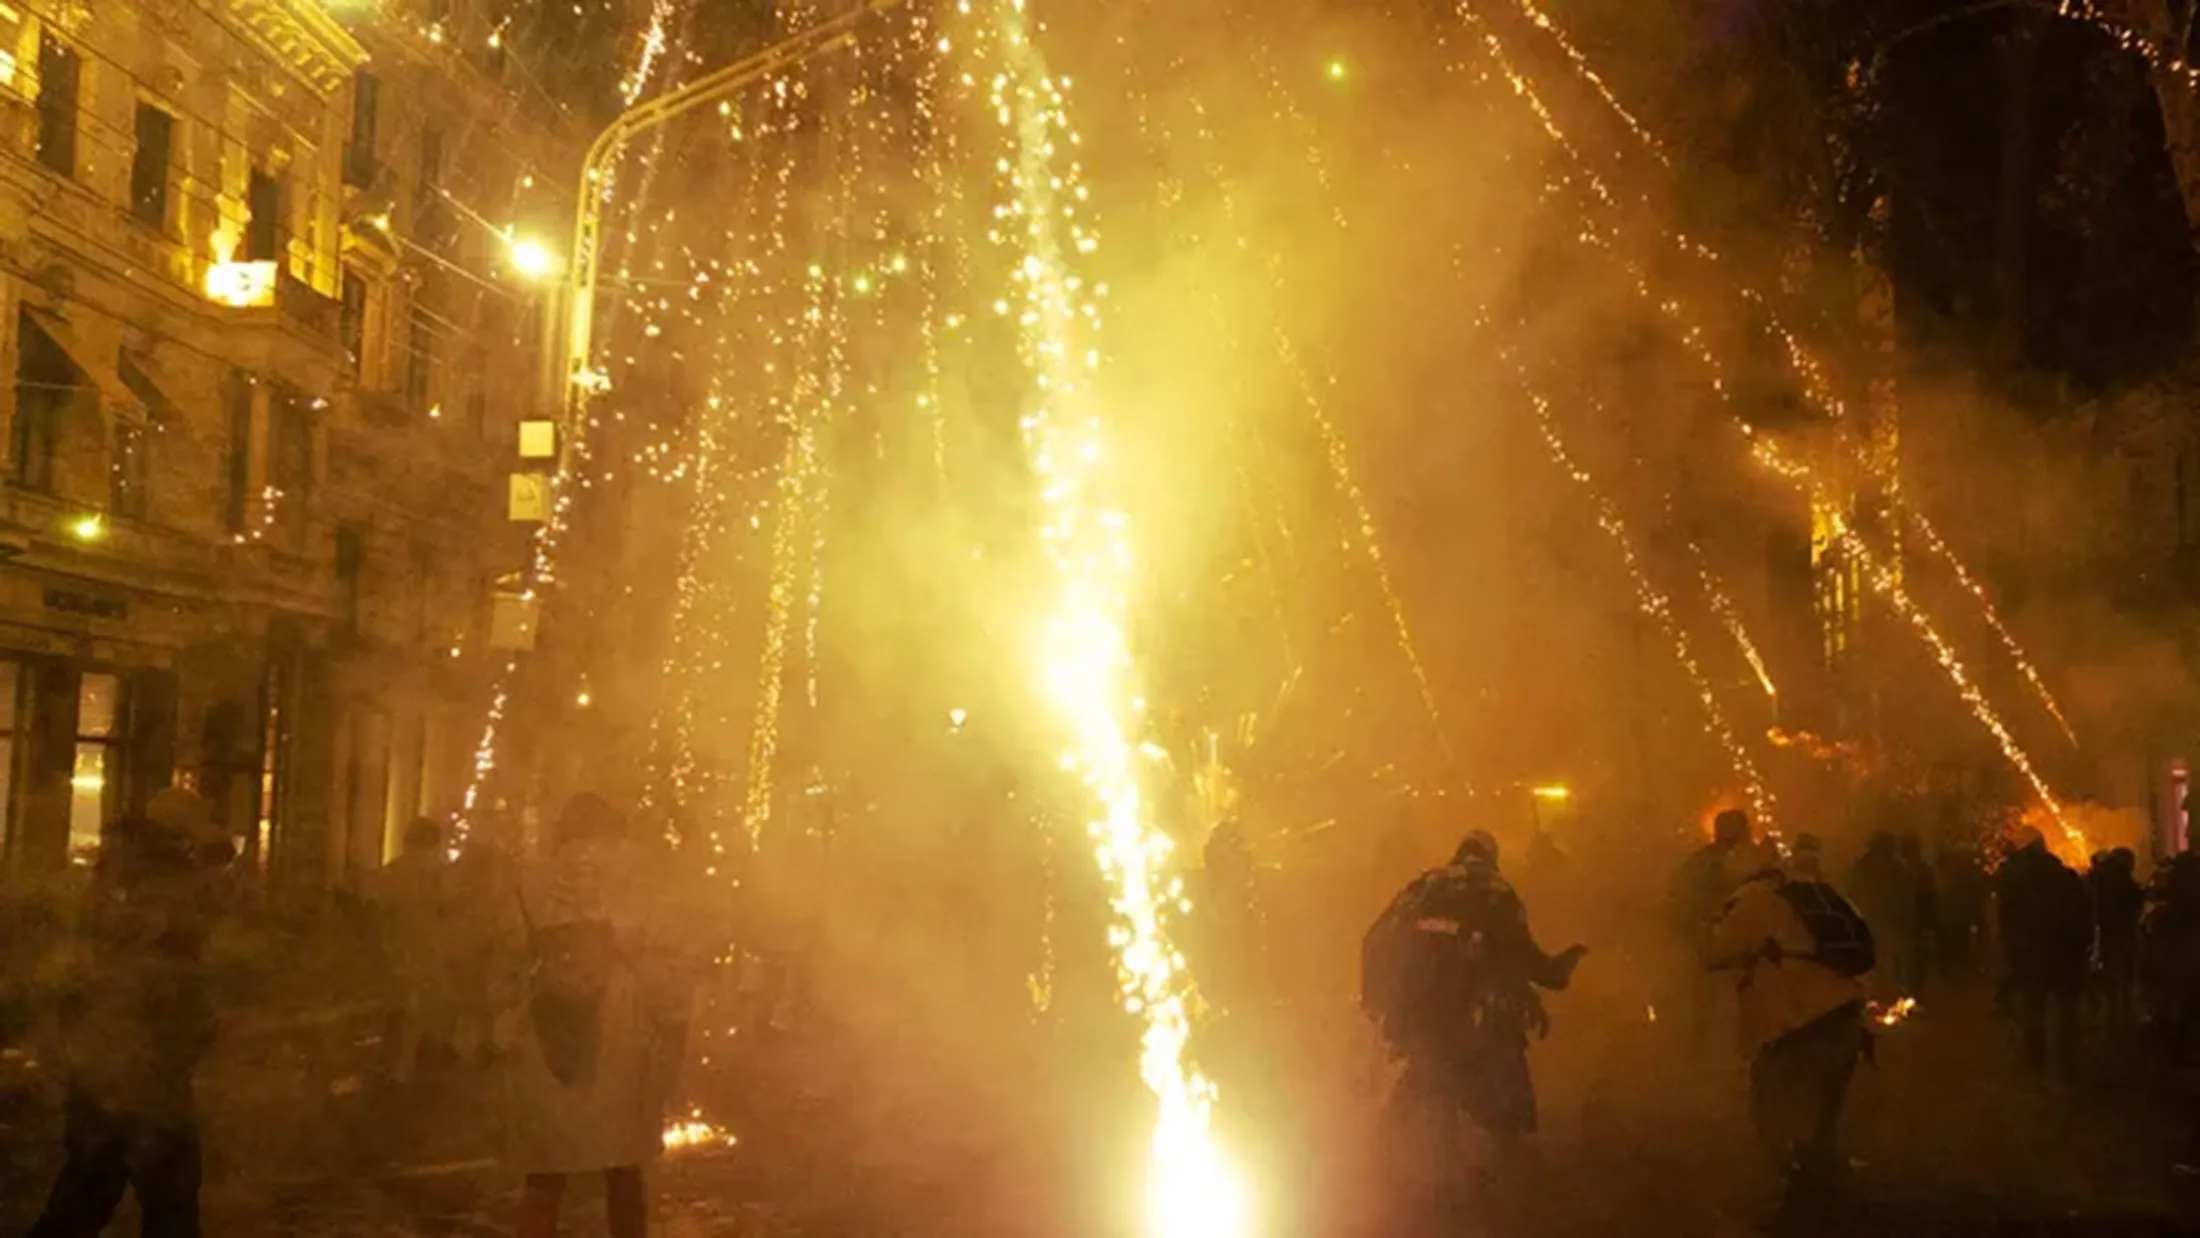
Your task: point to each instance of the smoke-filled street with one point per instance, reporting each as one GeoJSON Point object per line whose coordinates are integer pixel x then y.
{"type": "Point", "coordinates": [1007, 618]}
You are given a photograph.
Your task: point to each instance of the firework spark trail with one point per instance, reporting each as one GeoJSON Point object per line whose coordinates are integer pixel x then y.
{"type": "Point", "coordinates": [543, 553]}
{"type": "Point", "coordinates": [1659, 607]}
{"type": "Point", "coordinates": [1804, 365]}
{"type": "Point", "coordinates": [797, 480]}
{"type": "Point", "coordinates": [1340, 467]}
{"type": "Point", "coordinates": [1336, 451]}
{"type": "Point", "coordinates": [935, 158]}
{"type": "Point", "coordinates": [1885, 583]}
{"type": "Point", "coordinates": [2148, 48]}
{"type": "Point", "coordinates": [1193, 1193]}
{"type": "Point", "coordinates": [1587, 72]}
{"type": "Point", "coordinates": [1723, 607]}
{"type": "Point", "coordinates": [698, 650]}
{"type": "Point", "coordinates": [656, 37]}
{"type": "Point", "coordinates": [1883, 580]}
{"type": "Point", "coordinates": [1888, 585]}
{"type": "Point", "coordinates": [1931, 536]}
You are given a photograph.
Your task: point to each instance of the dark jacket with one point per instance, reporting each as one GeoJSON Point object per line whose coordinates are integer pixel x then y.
{"type": "Point", "coordinates": [2046, 919]}
{"type": "Point", "coordinates": [1486, 965]}
{"type": "Point", "coordinates": [137, 1014]}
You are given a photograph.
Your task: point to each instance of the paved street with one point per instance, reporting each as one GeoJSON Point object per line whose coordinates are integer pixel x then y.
{"type": "Point", "coordinates": [914, 1138]}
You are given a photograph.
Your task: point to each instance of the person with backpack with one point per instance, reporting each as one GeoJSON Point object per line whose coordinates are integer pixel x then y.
{"type": "Point", "coordinates": [1797, 951]}
{"type": "Point", "coordinates": [1449, 972]}
{"type": "Point", "coordinates": [578, 1042]}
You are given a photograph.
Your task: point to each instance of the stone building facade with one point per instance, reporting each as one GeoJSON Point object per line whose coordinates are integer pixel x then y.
{"type": "Point", "coordinates": [268, 358]}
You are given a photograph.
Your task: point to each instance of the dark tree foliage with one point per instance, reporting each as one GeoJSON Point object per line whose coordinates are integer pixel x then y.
{"type": "Point", "coordinates": [2034, 222]}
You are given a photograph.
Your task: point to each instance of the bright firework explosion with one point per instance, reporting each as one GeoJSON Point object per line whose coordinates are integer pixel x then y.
{"type": "Point", "coordinates": [1038, 223]}
{"type": "Point", "coordinates": [1088, 664]}
{"type": "Point", "coordinates": [808, 294]}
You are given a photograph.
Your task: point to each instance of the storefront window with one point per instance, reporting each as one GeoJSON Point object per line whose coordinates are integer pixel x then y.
{"type": "Point", "coordinates": [92, 777]}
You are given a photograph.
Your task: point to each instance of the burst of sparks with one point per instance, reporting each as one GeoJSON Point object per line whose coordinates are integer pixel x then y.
{"type": "Point", "coordinates": [1811, 373]}
{"type": "Point", "coordinates": [1088, 666]}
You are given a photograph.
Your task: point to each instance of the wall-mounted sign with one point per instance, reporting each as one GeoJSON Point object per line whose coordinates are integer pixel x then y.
{"type": "Point", "coordinates": [538, 440]}
{"type": "Point", "coordinates": [529, 498]}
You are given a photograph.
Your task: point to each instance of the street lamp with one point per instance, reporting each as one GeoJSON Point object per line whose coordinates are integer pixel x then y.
{"type": "Point", "coordinates": [586, 254]}
{"type": "Point", "coordinates": [531, 259]}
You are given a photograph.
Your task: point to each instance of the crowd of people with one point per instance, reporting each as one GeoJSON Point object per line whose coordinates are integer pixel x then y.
{"type": "Point", "coordinates": [1816, 962]}
{"type": "Point", "coordinates": [572, 978]}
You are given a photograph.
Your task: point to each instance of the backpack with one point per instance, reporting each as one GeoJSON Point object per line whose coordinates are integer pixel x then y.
{"type": "Point", "coordinates": [1840, 939]}
{"type": "Point", "coordinates": [1421, 958]}
{"type": "Point", "coordinates": [571, 968]}
{"type": "Point", "coordinates": [1386, 955]}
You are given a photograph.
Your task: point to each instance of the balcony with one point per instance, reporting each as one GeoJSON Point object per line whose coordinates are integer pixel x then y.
{"type": "Point", "coordinates": [261, 294]}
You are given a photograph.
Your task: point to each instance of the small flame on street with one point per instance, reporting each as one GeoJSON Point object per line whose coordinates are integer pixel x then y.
{"type": "Point", "coordinates": [1890, 1015]}
{"type": "Point", "coordinates": [693, 1132]}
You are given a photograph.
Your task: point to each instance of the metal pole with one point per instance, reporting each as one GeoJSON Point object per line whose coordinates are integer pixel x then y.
{"type": "Point", "coordinates": [573, 300]}
{"type": "Point", "coordinates": [586, 254]}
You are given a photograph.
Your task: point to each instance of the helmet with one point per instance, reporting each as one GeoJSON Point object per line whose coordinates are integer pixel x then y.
{"type": "Point", "coordinates": [1479, 846]}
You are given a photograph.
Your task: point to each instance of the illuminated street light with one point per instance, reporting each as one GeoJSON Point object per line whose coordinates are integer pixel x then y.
{"type": "Point", "coordinates": [531, 259]}
{"type": "Point", "coordinates": [1337, 69]}
{"type": "Point", "coordinates": [1552, 794]}
{"type": "Point", "coordinates": [88, 528]}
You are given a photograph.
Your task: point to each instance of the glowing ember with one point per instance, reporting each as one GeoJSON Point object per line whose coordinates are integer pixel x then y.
{"type": "Point", "coordinates": [1892, 1014]}
{"type": "Point", "coordinates": [696, 1133]}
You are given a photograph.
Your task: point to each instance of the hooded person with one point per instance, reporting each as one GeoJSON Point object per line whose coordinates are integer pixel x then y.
{"type": "Point", "coordinates": [1460, 1000]}
{"type": "Point", "coordinates": [1801, 1008]}
{"type": "Point", "coordinates": [136, 1018]}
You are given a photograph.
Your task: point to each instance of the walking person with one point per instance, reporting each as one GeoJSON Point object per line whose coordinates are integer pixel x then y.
{"type": "Point", "coordinates": [1924, 896]}
{"type": "Point", "coordinates": [1885, 889]}
{"type": "Point", "coordinates": [1450, 974]}
{"type": "Point", "coordinates": [1960, 895]}
{"type": "Point", "coordinates": [2118, 901]}
{"type": "Point", "coordinates": [136, 1019]}
{"type": "Point", "coordinates": [1797, 953]}
{"type": "Point", "coordinates": [2046, 921]}
{"type": "Point", "coordinates": [412, 896]}
{"type": "Point", "coordinates": [577, 1036]}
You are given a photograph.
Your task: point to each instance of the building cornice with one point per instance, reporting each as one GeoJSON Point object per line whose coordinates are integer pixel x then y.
{"type": "Point", "coordinates": [302, 36]}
